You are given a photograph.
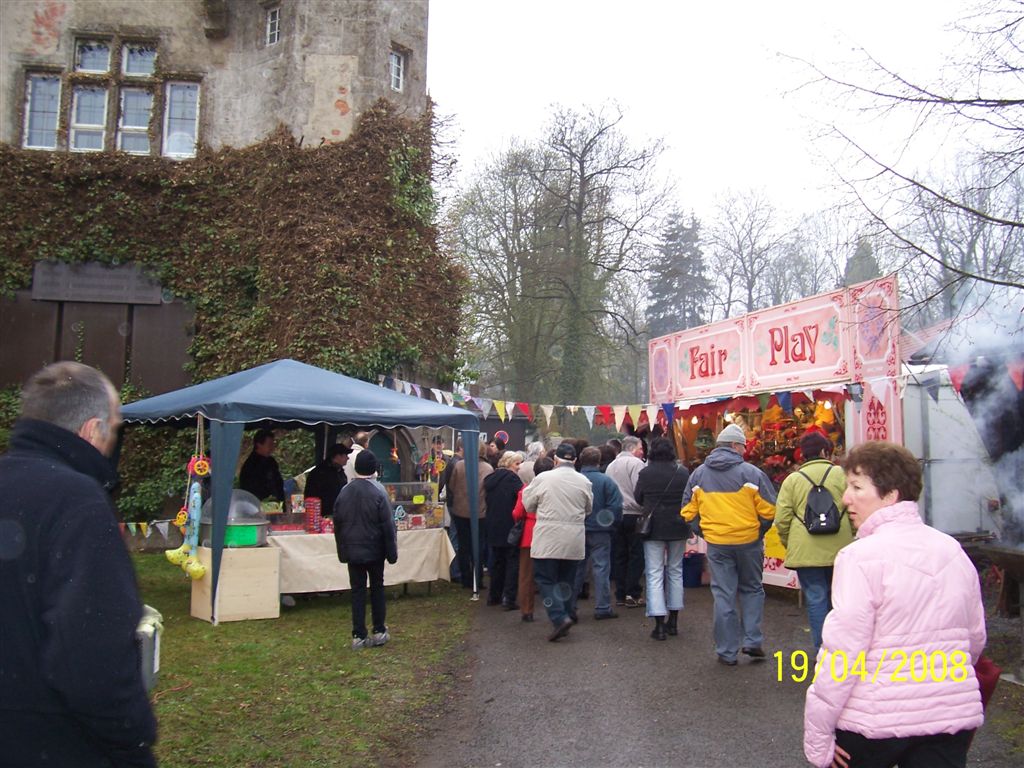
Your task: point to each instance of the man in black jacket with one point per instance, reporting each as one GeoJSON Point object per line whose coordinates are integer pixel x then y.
{"type": "Point", "coordinates": [328, 477]}
{"type": "Point", "coordinates": [364, 533]}
{"type": "Point", "coordinates": [71, 690]}
{"type": "Point", "coordinates": [260, 474]}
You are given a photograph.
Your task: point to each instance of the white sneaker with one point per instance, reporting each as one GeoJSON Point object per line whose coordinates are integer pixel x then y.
{"type": "Point", "coordinates": [359, 643]}
{"type": "Point", "coordinates": [378, 638]}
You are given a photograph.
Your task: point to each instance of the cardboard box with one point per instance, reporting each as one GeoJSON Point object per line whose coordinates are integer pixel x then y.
{"type": "Point", "coordinates": [249, 585]}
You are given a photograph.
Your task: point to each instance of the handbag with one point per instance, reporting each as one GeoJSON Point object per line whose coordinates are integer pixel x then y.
{"type": "Point", "coordinates": [515, 533]}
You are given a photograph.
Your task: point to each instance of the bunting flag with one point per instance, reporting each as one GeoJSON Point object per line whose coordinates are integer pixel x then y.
{"type": "Point", "coordinates": [670, 411]}
{"type": "Point", "coordinates": [448, 398]}
{"type": "Point", "coordinates": [389, 383]}
{"type": "Point", "coordinates": [634, 414]}
{"type": "Point", "coordinates": [458, 399]}
{"type": "Point", "coordinates": [572, 409]}
{"type": "Point", "coordinates": [162, 526]}
{"type": "Point", "coordinates": [418, 390]}
{"type": "Point", "coordinates": [785, 401]}
{"type": "Point", "coordinates": [589, 411]}
{"type": "Point", "coordinates": [132, 528]}
{"type": "Point", "coordinates": [485, 406]}
{"type": "Point", "coordinates": [548, 411]}
{"type": "Point", "coordinates": [956, 375]}
{"type": "Point", "coordinates": [499, 406]}
{"type": "Point", "coordinates": [525, 408]}
{"type": "Point", "coordinates": [931, 384]}
{"type": "Point", "coordinates": [380, 380]}
{"type": "Point", "coordinates": [122, 527]}
{"type": "Point", "coordinates": [1016, 371]}
{"type": "Point", "coordinates": [652, 414]}
{"type": "Point", "coordinates": [605, 412]}
{"type": "Point", "coordinates": [763, 399]}
{"type": "Point", "coordinates": [146, 530]}
{"type": "Point", "coordinates": [437, 395]}
{"type": "Point", "coordinates": [620, 416]}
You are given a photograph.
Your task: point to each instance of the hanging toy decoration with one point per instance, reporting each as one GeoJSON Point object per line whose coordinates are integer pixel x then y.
{"type": "Point", "coordinates": [188, 517]}
{"type": "Point", "coordinates": [199, 466]}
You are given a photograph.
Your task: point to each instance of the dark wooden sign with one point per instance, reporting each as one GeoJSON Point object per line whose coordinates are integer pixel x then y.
{"type": "Point", "coordinates": [94, 283]}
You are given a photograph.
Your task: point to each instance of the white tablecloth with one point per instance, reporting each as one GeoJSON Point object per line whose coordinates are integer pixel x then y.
{"type": "Point", "coordinates": [309, 562]}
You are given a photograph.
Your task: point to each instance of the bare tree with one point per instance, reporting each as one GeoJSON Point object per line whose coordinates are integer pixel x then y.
{"type": "Point", "coordinates": [977, 99]}
{"type": "Point", "coordinates": [546, 231]}
{"type": "Point", "coordinates": [745, 239]}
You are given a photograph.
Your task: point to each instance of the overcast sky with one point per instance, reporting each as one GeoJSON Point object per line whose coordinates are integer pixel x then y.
{"type": "Point", "coordinates": [707, 77]}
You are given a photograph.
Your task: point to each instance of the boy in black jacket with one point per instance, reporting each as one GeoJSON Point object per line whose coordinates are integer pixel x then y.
{"type": "Point", "coordinates": [364, 532]}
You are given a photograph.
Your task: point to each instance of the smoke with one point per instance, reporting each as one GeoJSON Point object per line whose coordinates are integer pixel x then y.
{"type": "Point", "coordinates": [989, 341]}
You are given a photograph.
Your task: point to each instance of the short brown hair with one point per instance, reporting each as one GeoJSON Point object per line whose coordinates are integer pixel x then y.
{"type": "Point", "coordinates": [891, 467]}
{"type": "Point", "coordinates": [590, 457]}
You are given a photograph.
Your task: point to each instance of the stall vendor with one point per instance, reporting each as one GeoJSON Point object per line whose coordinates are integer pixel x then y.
{"type": "Point", "coordinates": [260, 475]}
{"type": "Point", "coordinates": [328, 477]}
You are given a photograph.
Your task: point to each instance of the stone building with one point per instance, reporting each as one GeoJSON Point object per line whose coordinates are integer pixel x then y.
{"type": "Point", "coordinates": [157, 78]}
{"type": "Point", "coordinates": [160, 78]}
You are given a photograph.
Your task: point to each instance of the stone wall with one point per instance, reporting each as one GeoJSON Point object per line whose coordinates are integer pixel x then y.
{"type": "Point", "coordinates": [330, 64]}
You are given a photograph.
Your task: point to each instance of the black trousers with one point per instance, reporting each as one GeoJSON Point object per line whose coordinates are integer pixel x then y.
{"type": "Point", "coordinates": [358, 573]}
{"type": "Point", "coordinates": [465, 551]}
{"type": "Point", "coordinates": [943, 750]}
{"type": "Point", "coordinates": [627, 558]}
{"type": "Point", "coordinates": [504, 575]}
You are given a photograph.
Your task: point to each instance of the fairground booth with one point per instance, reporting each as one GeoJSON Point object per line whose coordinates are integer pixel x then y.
{"type": "Point", "coordinates": [240, 559]}
{"type": "Point", "coordinates": [827, 363]}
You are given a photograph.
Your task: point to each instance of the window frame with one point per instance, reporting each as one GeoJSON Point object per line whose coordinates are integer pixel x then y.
{"type": "Point", "coordinates": [29, 78]}
{"type": "Point", "coordinates": [165, 134]}
{"type": "Point", "coordinates": [134, 130]}
{"type": "Point", "coordinates": [79, 42]}
{"type": "Point", "coordinates": [272, 31]}
{"type": "Point", "coordinates": [400, 56]}
{"type": "Point", "coordinates": [74, 127]}
{"type": "Point", "coordinates": [124, 58]}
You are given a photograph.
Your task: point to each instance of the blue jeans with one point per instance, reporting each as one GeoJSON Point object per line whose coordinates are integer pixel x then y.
{"type": "Point", "coordinates": [664, 579]}
{"type": "Point", "coordinates": [736, 572]}
{"type": "Point", "coordinates": [556, 580]}
{"type": "Point", "coordinates": [817, 586]}
{"type": "Point", "coordinates": [599, 553]}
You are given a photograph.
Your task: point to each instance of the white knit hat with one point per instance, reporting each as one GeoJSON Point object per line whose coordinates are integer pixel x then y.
{"type": "Point", "coordinates": [731, 434]}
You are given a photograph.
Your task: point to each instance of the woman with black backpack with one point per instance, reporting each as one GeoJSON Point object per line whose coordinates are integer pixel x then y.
{"type": "Point", "coordinates": [812, 533]}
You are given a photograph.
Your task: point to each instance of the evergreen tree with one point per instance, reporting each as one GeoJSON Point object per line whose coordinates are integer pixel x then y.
{"type": "Point", "coordinates": [862, 265]}
{"type": "Point", "coordinates": [679, 290]}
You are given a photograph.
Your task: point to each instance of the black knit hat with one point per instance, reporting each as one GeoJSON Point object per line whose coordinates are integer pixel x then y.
{"type": "Point", "coordinates": [366, 463]}
{"type": "Point", "coordinates": [566, 452]}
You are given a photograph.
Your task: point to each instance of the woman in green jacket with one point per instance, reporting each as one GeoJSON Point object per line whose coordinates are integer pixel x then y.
{"type": "Point", "coordinates": [812, 556]}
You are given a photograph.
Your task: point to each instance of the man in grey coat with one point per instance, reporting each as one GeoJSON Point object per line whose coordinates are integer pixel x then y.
{"type": "Point", "coordinates": [561, 499]}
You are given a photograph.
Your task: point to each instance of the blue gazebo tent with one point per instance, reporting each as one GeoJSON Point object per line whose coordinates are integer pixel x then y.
{"type": "Point", "coordinates": [290, 393]}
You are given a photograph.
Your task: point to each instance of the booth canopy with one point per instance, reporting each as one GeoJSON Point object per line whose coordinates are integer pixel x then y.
{"type": "Point", "coordinates": [289, 392]}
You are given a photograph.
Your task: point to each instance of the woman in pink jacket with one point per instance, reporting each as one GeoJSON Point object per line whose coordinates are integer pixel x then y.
{"type": "Point", "coordinates": [895, 681]}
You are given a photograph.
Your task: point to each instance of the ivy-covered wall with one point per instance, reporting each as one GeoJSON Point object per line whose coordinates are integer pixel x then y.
{"type": "Point", "coordinates": [327, 255]}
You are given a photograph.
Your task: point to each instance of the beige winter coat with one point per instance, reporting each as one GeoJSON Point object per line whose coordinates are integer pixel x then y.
{"type": "Point", "coordinates": [458, 495]}
{"type": "Point", "coordinates": [561, 499]}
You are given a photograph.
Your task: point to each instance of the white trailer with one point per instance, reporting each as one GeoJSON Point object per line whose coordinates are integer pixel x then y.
{"type": "Point", "coordinates": [961, 495]}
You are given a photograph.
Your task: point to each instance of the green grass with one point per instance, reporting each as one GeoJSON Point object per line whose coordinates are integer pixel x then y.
{"type": "Point", "coordinates": [291, 691]}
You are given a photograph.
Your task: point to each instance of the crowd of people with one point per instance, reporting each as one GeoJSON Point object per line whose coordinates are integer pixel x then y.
{"type": "Point", "coordinates": [881, 587]}
{"type": "Point", "coordinates": [894, 605]}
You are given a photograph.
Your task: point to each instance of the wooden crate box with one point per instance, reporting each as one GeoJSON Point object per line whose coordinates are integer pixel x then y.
{"type": "Point", "coordinates": [248, 585]}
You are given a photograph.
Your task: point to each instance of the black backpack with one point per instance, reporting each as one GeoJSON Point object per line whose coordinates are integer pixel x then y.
{"type": "Point", "coordinates": [821, 516]}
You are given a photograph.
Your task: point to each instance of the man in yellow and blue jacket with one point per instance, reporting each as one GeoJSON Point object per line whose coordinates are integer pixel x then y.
{"type": "Point", "coordinates": [733, 505]}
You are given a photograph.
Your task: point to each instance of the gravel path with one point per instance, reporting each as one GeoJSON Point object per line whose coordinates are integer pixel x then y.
{"type": "Point", "coordinates": [609, 695]}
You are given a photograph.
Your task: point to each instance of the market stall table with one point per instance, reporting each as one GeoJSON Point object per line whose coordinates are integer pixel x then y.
{"type": "Point", "coordinates": [309, 562]}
